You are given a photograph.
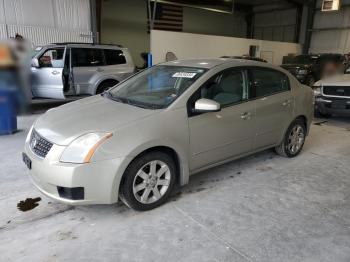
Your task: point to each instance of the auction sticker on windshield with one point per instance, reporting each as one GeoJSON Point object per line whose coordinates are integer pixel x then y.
{"type": "Point", "coordinates": [184, 75]}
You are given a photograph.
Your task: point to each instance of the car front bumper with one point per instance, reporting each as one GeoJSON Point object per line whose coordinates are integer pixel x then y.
{"type": "Point", "coordinates": [75, 184]}
{"type": "Point", "coordinates": [329, 105]}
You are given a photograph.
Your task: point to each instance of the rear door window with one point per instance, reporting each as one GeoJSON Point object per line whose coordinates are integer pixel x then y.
{"type": "Point", "coordinates": [268, 81]}
{"type": "Point", "coordinates": [114, 57]}
{"type": "Point", "coordinates": [87, 57]}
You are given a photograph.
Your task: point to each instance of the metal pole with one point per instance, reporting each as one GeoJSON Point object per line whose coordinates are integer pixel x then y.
{"type": "Point", "coordinates": [93, 21]}
{"type": "Point", "coordinates": [154, 14]}
{"type": "Point", "coordinates": [309, 26]}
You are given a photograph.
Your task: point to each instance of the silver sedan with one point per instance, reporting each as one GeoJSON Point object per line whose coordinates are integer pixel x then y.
{"type": "Point", "coordinates": [136, 141]}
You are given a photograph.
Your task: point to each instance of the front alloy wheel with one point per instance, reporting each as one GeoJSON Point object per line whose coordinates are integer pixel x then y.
{"type": "Point", "coordinates": [148, 181]}
{"type": "Point", "coordinates": [151, 182]}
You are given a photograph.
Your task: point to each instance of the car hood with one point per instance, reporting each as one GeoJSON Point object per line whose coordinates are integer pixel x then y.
{"type": "Point", "coordinates": [63, 124]}
{"type": "Point", "coordinates": [337, 80]}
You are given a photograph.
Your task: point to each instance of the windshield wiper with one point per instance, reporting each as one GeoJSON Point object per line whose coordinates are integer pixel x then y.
{"type": "Point", "coordinates": [128, 101]}
{"type": "Point", "coordinates": [114, 98]}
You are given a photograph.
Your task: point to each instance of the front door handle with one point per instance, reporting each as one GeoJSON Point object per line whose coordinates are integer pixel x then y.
{"type": "Point", "coordinates": [55, 72]}
{"type": "Point", "coordinates": [286, 103]}
{"type": "Point", "coordinates": [246, 116]}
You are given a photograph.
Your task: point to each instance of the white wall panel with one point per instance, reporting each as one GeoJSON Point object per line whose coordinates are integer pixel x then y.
{"type": "Point", "coordinates": [186, 45]}
{"type": "Point", "coordinates": [44, 35]}
{"type": "Point", "coordinates": [46, 21]}
{"type": "Point", "coordinates": [3, 33]}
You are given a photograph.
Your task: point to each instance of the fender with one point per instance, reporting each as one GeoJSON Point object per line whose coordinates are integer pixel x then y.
{"type": "Point", "coordinates": [95, 83]}
{"type": "Point", "coordinates": [125, 162]}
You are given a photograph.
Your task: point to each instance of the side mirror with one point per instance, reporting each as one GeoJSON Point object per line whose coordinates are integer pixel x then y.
{"type": "Point", "coordinates": [35, 63]}
{"type": "Point", "coordinates": [206, 105]}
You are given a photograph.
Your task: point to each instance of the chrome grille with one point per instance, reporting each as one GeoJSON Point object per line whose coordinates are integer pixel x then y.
{"type": "Point", "coordinates": [337, 91]}
{"type": "Point", "coordinates": [39, 145]}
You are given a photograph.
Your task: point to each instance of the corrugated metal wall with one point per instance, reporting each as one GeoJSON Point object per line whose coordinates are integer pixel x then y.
{"type": "Point", "coordinates": [331, 30]}
{"type": "Point", "coordinates": [46, 21]}
{"type": "Point", "coordinates": [45, 35]}
{"type": "Point", "coordinates": [276, 25]}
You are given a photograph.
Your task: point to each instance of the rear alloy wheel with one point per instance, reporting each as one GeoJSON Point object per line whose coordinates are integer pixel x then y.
{"type": "Point", "coordinates": [148, 181]}
{"type": "Point", "coordinates": [294, 140]}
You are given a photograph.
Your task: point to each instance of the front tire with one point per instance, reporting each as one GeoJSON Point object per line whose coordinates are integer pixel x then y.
{"type": "Point", "coordinates": [148, 181]}
{"type": "Point", "coordinates": [293, 140]}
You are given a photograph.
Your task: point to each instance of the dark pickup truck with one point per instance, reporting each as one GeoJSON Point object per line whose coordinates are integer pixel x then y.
{"type": "Point", "coordinates": [310, 68]}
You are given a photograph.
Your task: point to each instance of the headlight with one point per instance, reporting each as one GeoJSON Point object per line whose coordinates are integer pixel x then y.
{"type": "Point", "coordinates": [302, 71]}
{"type": "Point", "coordinates": [317, 90]}
{"type": "Point", "coordinates": [29, 134]}
{"type": "Point", "coordinates": [83, 148]}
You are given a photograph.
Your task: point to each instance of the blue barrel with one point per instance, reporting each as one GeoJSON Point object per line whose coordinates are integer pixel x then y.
{"type": "Point", "coordinates": [8, 112]}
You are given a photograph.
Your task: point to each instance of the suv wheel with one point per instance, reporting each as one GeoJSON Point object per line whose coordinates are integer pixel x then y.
{"type": "Point", "coordinates": [293, 141]}
{"type": "Point", "coordinates": [148, 181]}
{"type": "Point", "coordinates": [322, 114]}
{"type": "Point", "coordinates": [105, 85]}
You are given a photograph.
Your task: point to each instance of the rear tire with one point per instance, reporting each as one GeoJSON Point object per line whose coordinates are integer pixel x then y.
{"type": "Point", "coordinates": [293, 140]}
{"type": "Point", "coordinates": [148, 181]}
{"type": "Point", "coordinates": [105, 85]}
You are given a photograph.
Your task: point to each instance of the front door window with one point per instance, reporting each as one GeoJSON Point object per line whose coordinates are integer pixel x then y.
{"type": "Point", "coordinates": [52, 58]}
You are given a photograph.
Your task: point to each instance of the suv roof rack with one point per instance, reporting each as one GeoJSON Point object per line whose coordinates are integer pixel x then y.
{"type": "Point", "coordinates": [81, 43]}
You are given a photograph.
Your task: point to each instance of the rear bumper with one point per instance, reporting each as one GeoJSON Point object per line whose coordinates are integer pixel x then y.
{"type": "Point", "coordinates": [325, 105]}
{"type": "Point", "coordinates": [75, 184]}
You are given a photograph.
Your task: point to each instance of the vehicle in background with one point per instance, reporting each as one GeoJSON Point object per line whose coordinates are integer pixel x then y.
{"type": "Point", "coordinates": [332, 96]}
{"type": "Point", "coordinates": [72, 69]}
{"type": "Point", "coordinates": [310, 68]}
{"type": "Point", "coordinates": [246, 57]}
{"type": "Point", "coordinates": [163, 124]}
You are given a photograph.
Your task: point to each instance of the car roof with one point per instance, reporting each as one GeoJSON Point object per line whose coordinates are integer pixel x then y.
{"type": "Point", "coordinates": [213, 62]}
{"type": "Point", "coordinates": [89, 45]}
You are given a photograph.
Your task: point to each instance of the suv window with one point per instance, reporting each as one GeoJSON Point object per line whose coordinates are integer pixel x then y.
{"type": "Point", "coordinates": [52, 58]}
{"type": "Point", "coordinates": [268, 81]}
{"type": "Point", "coordinates": [114, 57]}
{"type": "Point", "coordinates": [227, 87]}
{"type": "Point", "coordinates": [84, 57]}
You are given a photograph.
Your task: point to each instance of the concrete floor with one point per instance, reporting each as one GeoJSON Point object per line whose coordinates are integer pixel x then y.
{"type": "Point", "coordinates": [260, 208]}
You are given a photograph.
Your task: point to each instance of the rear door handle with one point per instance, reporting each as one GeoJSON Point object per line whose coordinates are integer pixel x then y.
{"type": "Point", "coordinates": [246, 116]}
{"type": "Point", "coordinates": [99, 69]}
{"type": "Point", "coordinates": [55, 72]}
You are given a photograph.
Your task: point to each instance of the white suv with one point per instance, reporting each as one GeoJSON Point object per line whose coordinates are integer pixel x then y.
{"type": "Point", "coordinates": [60, 70]}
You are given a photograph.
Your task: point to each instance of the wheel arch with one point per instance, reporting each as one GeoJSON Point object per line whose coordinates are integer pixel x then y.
{"type": "Point", "coordinates": [96, 83]}
{"type": "Point", "coordinates": [305, 120]}
{"type": "Point", "coordinates": [180, 159]}
{"type": "Point", "coordinates": [301, 117]}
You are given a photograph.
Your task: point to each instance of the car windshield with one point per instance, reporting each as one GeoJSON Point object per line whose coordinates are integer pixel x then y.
{"type": "Point", "coordinates": [156, 87]}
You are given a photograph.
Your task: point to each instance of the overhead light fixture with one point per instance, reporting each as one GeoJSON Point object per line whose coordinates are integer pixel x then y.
{"type": "Point", "coordinates": [330, 5]}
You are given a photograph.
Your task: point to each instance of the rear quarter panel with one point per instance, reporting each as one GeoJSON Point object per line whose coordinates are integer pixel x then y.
{"type": "Point", "coordinates": [303, 101]}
